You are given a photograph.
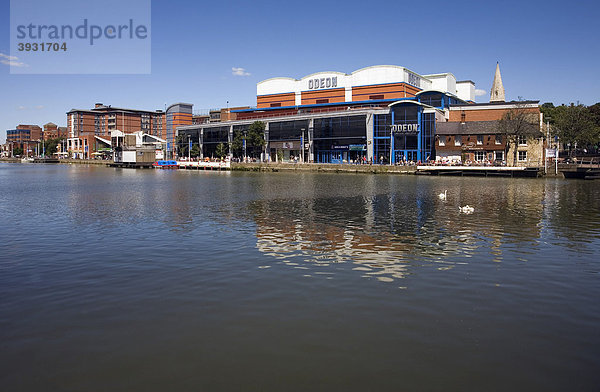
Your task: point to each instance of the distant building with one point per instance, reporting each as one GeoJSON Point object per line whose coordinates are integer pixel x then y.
{"type": "Point", "coordinates": [136, 148]}
{"type": "Point", "coordinates": [89, 130]}
{"type": "Point", "coordinates": [24, 133]}
{"type": "Point", "coordinates": [497, 91]}
{"type": "Point", "coordinates": [178, 114]}
{"type": "Point", "coordinates": [198, 119]}
{"type": "Point", "coordinates": [25, 137]}
{"type": "Point", "coordinates": [382, 113]}
{"type": "Point", "coordinates": [53, 131]}
{"type": "Point", "coordinates": [472, 132]}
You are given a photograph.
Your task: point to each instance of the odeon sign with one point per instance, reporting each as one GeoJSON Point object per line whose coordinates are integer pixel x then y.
{"type": "Point", "coordinates": [314, 84]}
{"type": "Point", "coordinates": [405, 128]}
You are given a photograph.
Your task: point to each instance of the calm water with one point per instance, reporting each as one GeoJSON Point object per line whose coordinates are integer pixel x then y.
{"type": "Point", "coordinates": [162, 280]}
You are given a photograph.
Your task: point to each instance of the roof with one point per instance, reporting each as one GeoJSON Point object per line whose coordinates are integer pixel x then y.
{"type": "Point", "coordinates": [467, 128]}
{"type": "Point", "coordinates": [108, 109]}
{"type": "Point", "coordinates": [510, 103]}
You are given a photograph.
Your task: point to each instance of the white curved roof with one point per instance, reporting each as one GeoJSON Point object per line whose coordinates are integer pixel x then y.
{"type": "Point", "coordinates": [372, 75]}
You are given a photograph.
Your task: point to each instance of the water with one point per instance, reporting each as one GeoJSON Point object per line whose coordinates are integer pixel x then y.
{"type": "Point", "coordinates": [163, 280]}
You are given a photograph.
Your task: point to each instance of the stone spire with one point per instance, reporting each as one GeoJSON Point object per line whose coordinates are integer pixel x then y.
{"type": "Point", "coordinates": [497, 93]}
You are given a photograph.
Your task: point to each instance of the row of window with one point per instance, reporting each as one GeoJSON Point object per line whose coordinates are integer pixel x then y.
{"type": "Point", "coordinates": [480, 156]}
{"type": "Point", "coordinates": [498, 140]}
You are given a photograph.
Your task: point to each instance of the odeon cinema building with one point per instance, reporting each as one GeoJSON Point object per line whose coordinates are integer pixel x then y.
{"type": "Point", "coordinates": [384, 113]}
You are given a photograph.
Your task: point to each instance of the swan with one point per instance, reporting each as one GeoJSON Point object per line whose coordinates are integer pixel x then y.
{"type": "Point", "coordinates": [466, 209]}
{"type": "Point", "coordinates": [442, 196]}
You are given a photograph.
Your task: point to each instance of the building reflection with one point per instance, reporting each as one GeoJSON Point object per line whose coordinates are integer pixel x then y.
{"type": "Point", "coordinates": [389, 235]}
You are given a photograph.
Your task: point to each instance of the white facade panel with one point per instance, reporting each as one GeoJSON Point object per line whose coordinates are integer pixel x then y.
{"type": "Point", "coordinates": [379, 74]}
{"type": "Point", "coordinates": [276, 86]}
{"type": "Point", "coordinates": [443, 82]}
{"type": "Point", "coordinates": [129, 156]}
{"type": "Point", "coordinates": [466, 90]}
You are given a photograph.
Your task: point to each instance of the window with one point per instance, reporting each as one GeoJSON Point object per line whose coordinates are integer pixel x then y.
{"type": "Point", "coordinates": [522, 155]}
{"type": "Point", "coordinates": [319, 101]}
{"type": "Point", "coordinates": [463, 117]}
{"type": "Point", "coordinates": [498, 139]}
{"type": "Point", "coordinates": [441, 142]}
{"type": "Point", "coordinates": [499, 155]}
{"type": "Point", "coordinates": [522, 141]}
{"type": "Point", "coordinates": [479, 139]}
{"type": "Point", "coordinates": [457, 140]}
{"type": "Point", "coordinates": [380, 96]}
{"type": "Point", "coordinates": [479, 156]}
{"type": "Point", "coordinates": [275, 105]}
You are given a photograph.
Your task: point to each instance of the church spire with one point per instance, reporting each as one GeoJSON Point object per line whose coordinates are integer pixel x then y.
{"type": "Point", "coordinates": [497, 93]}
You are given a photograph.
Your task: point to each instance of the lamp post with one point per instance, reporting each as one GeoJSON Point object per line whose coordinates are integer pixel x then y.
{"type": "Point", "coordinates": [244, 144]}
{"type": "Point", "coordinates": [391, 144]}
{"type": "Point", "coordinates": [302, 145]}
{"type": "Point", "coordinates": [189, 148]}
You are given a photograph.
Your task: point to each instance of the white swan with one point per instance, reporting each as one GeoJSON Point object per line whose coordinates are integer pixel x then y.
{"type": "Point", "coordinates": [442, 196]}
{"type": "Point", "coordinates": [466, 209]}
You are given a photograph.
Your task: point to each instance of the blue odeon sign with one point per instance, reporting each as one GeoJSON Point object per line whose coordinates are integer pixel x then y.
{"type": "Point", "coordinates": [314, 84]}
{"type": "Point", "coordinates": [405, 128]}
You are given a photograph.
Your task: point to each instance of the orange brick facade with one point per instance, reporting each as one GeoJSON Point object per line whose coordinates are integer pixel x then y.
{"type": "Point", "coordinates": [338, 95]}
{"type": "Point", "coordinates": [483, 114]}
{"type": "Point", "coordinates": [384, 91]}
{"type": "Point", "coordinates": [276, 100]}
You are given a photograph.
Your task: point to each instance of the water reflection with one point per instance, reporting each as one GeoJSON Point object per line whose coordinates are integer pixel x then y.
{"type": "Point", "coordinates": [385, 226]}
{"type": "Point", "coordinates": [389, 234]}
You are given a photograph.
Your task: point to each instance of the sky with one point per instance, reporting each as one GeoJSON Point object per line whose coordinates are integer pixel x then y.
{"type": "Point", "coordinates": [212, 54]}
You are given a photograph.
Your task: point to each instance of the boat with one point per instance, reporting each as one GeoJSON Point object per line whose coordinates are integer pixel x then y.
{"type": "Point", "coordinates": [162, 164]}
{"type": "Point", "coordinates": [27, 160]}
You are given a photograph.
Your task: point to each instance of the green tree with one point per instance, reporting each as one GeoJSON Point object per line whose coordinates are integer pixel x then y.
{"type": "Point", "coordinates": [51, 146]}
{"type": "Point", "coordinates": [577, 125]}
{"type": "Point", "coordinates": [17, 151]}
{"type": "Point", "coordinates": [195, 151]}
{"type": "Point", "coordinates": [256, 139]}
{"type": "Point", "coordinates": [518, 122]}
{"type": "Point", "coordinates": [237, 145]}
{"type": "Point", "coordinates": [221, 150]}
{"type": "Point", "coordinates": [182, 145]}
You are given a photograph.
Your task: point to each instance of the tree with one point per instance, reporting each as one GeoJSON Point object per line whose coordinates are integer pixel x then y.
{"type": "Point", "coordinates": [195, 151]}
{"type": "Point", "coordinates": [518, 123]}
{"type": "Point", "coordinates": [221, 150]}
{"type": "Point", "coordinates": [51, 145]}
{"type": "Point", "coordinates": [255, 142]}
{"type": "Point", "coordinates": [237, 144]}
{"type": "Point", "coordinates": [17, 151]}
{"type": "Point", "coordinates": [577, 124]}
{"type": "Point", "coordinates": [182, 145]}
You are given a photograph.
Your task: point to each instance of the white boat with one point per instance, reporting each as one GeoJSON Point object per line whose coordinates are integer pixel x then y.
{"type": "Point", "coordinates": [27, 160]}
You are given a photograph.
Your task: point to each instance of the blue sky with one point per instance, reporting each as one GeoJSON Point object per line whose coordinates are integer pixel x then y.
{"type": "Point", "coordinates": [548, 51]}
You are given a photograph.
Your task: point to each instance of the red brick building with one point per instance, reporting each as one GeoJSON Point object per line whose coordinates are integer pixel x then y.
{"type": "Point", "coordinates": [53, 131]}
{"type": "Point", "coordinates": [472, 135]}
{"type": "Point", "coordinates": [89, 130]}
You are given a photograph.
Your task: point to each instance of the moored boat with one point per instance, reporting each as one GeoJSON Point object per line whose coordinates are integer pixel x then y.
{"type": "Point", "coordinates": [162, 164]}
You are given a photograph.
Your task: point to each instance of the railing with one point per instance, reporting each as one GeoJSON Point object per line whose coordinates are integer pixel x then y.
{"type": "Point", "coordinates": [300, 112]}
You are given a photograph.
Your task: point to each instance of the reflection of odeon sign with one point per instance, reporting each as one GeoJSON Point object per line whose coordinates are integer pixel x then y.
{"type": "Point", "coordinates": [322, 83]}
{"type": "Point", "coordinates": [406, 128]}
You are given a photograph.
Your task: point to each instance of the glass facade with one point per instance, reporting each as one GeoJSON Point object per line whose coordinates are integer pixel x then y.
{"type": "Point", "coordinates": [340, 139]}
{"type": "Point", "coordinates": [287, 130]}
{"type": "Point", "coordinates": [405, 135]}
{"type": "Point", "coordinates": [407, 144]}
{"type": "Point", "coordinates": [212, 137]}
{"type": "Point", "coordinates": [432, 99]}
{"type": "Point", "coordinates": [428, 136]}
